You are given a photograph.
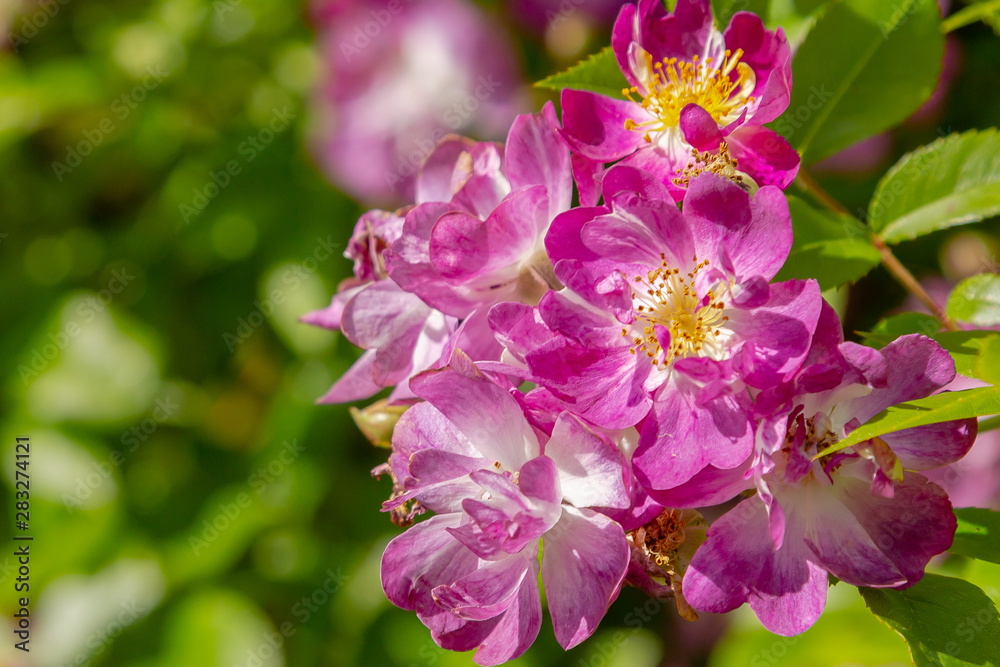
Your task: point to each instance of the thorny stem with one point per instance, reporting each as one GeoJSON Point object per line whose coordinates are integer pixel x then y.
{"type": "Point", "coordinates": [889, 260]}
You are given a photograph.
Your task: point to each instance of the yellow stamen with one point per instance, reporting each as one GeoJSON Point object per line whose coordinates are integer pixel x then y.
{"type": "Point", "coordinates": [721, 91]}
{"type": "Point", "coordinates": [665, 297]}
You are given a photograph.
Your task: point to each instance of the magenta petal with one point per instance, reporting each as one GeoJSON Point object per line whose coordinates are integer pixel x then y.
{"type": "Point", "coordinates": [463, 248]}
{"type": "Point", "coordinates": [395, 322]}
{"type": "Point", "coordinates": [483, 411]}
{"type": "Point", "coordinates": [680, 35]}
{"type": "Point", "coordinates": [683, 435]}
{"type": "Point", "coordinates": [591, 469]}
{"type": "Point", "coordinates": [918, 367]}
{"type": "Point", "coordinates": [769, 54]}
{"type": "Point", "coordinates": [458, 245]}
{"type": "Point", "coordinates": [474, 337]}
{"type": "Point", "coordinates": [757, 234]}
{"type": "Point", "coordinates": [518, 627]}
{"type": "Point", "coordinates": [726, 567]}
{"type": "Point", "coordinates": [487, 591]}
{"type": "Point", "coordinates": [710, 486]}
{"type": "Point", "coordinates": [934, 445]}
{"type": "Point", "coordinates": [435, 179]}
{"type": "Point", "coordinates": [356, 384]}
{"type": "Point", "coordinates": [329, 317]}
{"type": "Point", "coordinates": [780, 330]}
{"type": "Point", "coordinates": [638, 230]}
{"type": "Point", "coordinates": [587, 174]}
{"type": "Point", "coordinates": [870, 540]}
{"type": "Point", "coordinates": [623, 178]}
{"type": "Point", "coordinates": [539, 481]}
{"type": "Point", "coordinates": [381, 313]}
{"type": "Point", "coordinates": [421, 558]}
{"type": "Point", "coordinates": [594, 125]}
{"type": "Point", "coordinates": [563, 240]}
{"type": "Point", "coordinates": [699, 128]}
{"type": "Point", "coordinates": [738, 563]}
{"type": "Point", "coordinates": [622, 36]}
{"type": "Point", "coordinates": [764, 154]}
{"type": "Point", "coordinates": [584, 560]}
{"type": "Point", "coordinates": [518, 327]}
{"type": "Point", "coordinates": [600, 283]}
{"type": "Point", "coordinates": [603, 385]}
{"type": "Point", "coordinates": [661, 164]}
{"type": "Point", "coordinates": [538, 155]}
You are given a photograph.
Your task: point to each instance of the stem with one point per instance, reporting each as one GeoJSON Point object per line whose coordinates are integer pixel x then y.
{"type": "Point", "coordinates": [989, 424]}
{"type": "Point", "coordinates": [808, 184]}
{"type": "Point", "coordinates": [969, 15]}
{"type": "Point", "coordinates": [889, 260]}
{"type": "Point", "coordinates": [903, 275]}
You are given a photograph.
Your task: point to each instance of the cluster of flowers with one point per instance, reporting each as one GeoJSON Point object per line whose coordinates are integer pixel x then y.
{"type": "Point", "coordinates": [577, 380]}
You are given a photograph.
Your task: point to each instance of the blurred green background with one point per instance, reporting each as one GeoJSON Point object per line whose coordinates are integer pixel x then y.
{"type": "Point", "coordinates": [190, 504]}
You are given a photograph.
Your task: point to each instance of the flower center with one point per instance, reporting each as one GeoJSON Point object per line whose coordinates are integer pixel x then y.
{"type": "Point", "coordinates": [720, 163]}
{"type": "Point", "coordinates": [674, 84]}
{"type": "Point", "coordinates": [674, 322]}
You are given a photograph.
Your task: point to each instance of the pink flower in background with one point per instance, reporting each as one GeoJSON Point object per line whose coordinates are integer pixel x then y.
{"type": "Point", "coordinates": [689, 87]}
{"type": "Point", "coordinates": [540, 14]}
{"type": "Point", "coordinates": [400, 76]}
{"type": "Point", "coordinates": [501, 490]}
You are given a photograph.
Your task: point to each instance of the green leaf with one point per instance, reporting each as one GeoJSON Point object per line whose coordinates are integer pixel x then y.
{"type": "Point", "coordinates": [976, 300]}
{"type": "Point", "coordinates": [946, 621]}
{"type": "Point", "coordinates": [987, 11]}
{"type": "Point", "coordinates": [931, 410]}
{"type": "Point", "coordinates": [864, 67]}
{"type": "Point", "coordinates": [891, 328]}
{"type": "Point", "coordinates": [724, 10]}
{"type": "Point", "coordinates": [965, 347]}
{"type": "Point", "coordinates": [599, 74]}
{"type": "Point", "coordinates": [988, 363]}
{"type": "Point", "coordinates": [952, 181]}
{"type": "Point", "coordinates": [978, 534]}
{"type": "Point", "coordinates": [832, 248]}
